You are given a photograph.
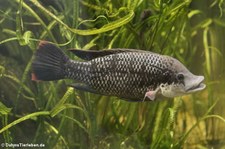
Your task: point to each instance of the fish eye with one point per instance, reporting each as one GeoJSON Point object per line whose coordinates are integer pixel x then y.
{"type": "Point", "coordinates": [180, 77]}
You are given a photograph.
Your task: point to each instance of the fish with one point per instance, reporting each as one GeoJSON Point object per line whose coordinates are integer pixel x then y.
{"type": "Point", "coordinates": [129, 74]}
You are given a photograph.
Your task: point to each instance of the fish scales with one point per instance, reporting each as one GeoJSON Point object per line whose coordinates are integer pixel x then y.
{"type": "Point", "coordinates": [126, 73]}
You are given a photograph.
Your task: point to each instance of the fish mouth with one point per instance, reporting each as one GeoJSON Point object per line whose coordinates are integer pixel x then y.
{"type": "Point", "coordinates": [197, 86]}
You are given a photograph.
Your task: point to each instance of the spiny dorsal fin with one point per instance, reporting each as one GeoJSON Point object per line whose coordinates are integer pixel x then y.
{"type": "Point", "coordinates": [91, 54]}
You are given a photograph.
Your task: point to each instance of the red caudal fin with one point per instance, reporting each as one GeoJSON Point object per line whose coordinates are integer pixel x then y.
{"type": "Point", "coordinates": [49, 62]}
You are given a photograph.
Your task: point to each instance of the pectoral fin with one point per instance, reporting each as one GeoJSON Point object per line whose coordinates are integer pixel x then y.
{"type": "Point", "coordinates": [151, 94]}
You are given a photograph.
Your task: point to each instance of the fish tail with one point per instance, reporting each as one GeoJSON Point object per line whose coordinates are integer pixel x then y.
{"type": "Point", "coordinates": [49, 63]}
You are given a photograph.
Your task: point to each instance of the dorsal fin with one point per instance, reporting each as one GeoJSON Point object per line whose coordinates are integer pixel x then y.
{"type": "Point", "coordinates": [91, 54]}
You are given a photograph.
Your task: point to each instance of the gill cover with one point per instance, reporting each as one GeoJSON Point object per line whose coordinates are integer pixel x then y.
{"type": "Point", "coordinates": [185, 82]}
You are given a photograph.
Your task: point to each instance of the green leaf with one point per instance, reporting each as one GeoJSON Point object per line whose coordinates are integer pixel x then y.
{"type": "Point", "coordinates": [219, 22]}
{"type": "Point", "coordinates": [27, 36]}
{"type": "Point", "coordinates": [193, 13]}
{"type": "Point", "coordinates": [24, 118]}
{"type": "Point", "coordinates": [110, 26]}
{"type": "Point", "coordinates": [36, 16]}
{"type": "Point", "coordinates": [2, 71]}
{"type": "Point", "coordinates": [60, 105]}
{"type": "Point", "coordinates": [4, 110]}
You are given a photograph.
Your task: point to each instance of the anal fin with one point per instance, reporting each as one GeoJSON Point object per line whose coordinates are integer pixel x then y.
{"type": "Point", "coordinates": [83, 87]}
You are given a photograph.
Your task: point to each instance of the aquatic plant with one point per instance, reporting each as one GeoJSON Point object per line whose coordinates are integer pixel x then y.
{"type": "Point", "coordinates": [61, 117]}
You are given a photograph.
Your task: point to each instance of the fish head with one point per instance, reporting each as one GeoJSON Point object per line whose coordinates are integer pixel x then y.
{"type": "Point", "coordinates": [183, 81]}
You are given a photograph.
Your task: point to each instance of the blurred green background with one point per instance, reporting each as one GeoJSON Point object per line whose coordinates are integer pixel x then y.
{"type": "Point", "coordinates": [61, 117]}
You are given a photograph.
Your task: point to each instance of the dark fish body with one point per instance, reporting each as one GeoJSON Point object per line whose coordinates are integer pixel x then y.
{"type": "Point", "coordinates": [125, 73]}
